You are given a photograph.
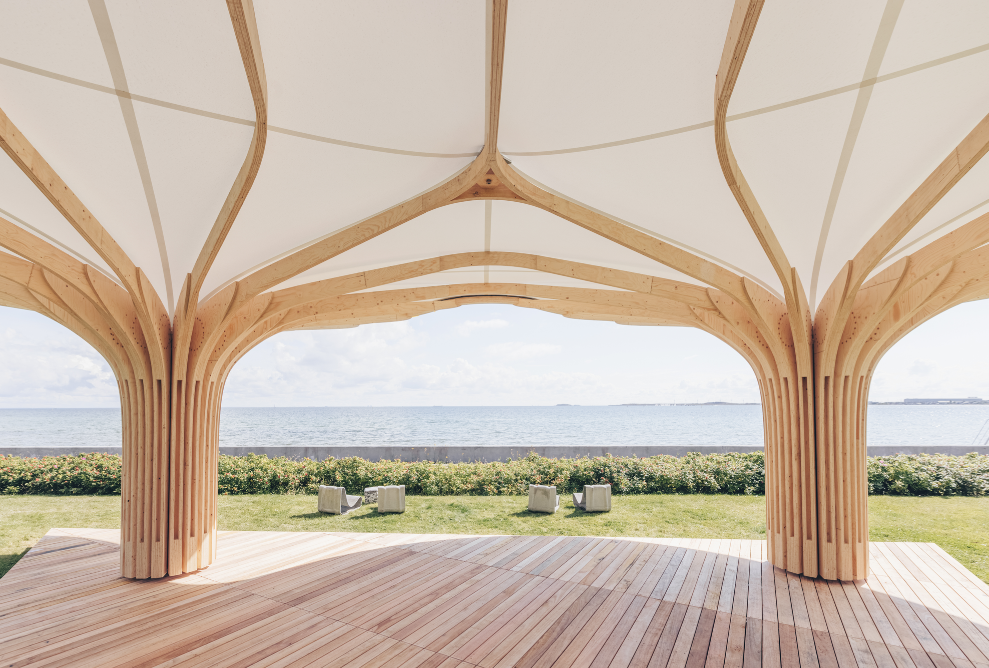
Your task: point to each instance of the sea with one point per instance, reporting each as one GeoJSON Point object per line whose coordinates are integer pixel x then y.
{"type": "Point", "coordinates": [494, 425]}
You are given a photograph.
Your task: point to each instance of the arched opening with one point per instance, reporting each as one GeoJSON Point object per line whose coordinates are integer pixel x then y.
{"type": "Point", "coordinates": [46, 365]}
{"type": "Point", "coordinates": [942, 359]}
{"type": "Point", "coordinates": [501, 355]}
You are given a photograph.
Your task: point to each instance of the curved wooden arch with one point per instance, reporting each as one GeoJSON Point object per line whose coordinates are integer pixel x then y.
{"type": "Point", "coordinates": [399, 305]}
{"type": "Point", "coordinates": [835, 352]}
{"type": "Point", "coordinates": [135, 335]}
{"type": "Point", "coordinates": [852, 310]}
{"type": "Point", "coordinates": [792, 480]}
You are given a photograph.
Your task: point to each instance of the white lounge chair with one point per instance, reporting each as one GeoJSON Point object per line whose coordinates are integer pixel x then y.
{"type": "Point", "coordinates": [543, 499]}
{"type": "Point", "coordinates": [594, 499]}
{"type": "Point", "coordinates": [391, 499]}
{"type": "Point", "coordinates": [336, 501]}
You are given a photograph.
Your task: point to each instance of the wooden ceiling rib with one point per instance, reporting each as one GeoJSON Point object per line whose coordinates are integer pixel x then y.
{"type": "Point", "coordinates": [246, 29]}
{"type": "Point", "coordinates": [27, 158]}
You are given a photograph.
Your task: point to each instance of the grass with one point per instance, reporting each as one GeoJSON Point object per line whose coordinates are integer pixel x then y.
{"type": "Point", "coordinates": [960, 525]}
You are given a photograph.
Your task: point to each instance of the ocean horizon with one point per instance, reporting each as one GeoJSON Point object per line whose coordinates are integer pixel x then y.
{"type": "Point", "coordinates": [710, 424]}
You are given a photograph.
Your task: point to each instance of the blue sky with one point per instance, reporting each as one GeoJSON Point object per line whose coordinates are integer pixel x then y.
{"type": "Point", "coordinates": [486, 355]}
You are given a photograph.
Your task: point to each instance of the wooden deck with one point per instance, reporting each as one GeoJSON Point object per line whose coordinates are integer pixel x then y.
{"type": "Point", "coordinates": [425, 601]}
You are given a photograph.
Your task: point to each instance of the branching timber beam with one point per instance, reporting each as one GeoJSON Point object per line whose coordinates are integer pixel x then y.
{"type": "Point", "coordinates": [610, 298]}
{"type": "Point", "coordinates": [855, 323]}
{"type": "Point", "coordinates": [239, 323]}
{"type": "Point", "coordinates": [443, 194]}
{"type": "Point", "coordinates": [934, 256]}
{"type": "Point", "coordinates": [44, 254]}
{"type": "Point", "coordinates": [642, 283]}
{"type": "Point", "coordinates": [785, 330]}
{"type": "Point", "coordinates": [143, 386]}
{"type": "Point", "coordinates": [245, 27]}
{"type": "Point", "coordinates": [669, 255]}
{"type": "Point", "coordinates": [947, 174]}
{"type": "Point", "coordinates": [391, 305]}
{"type": "Point", "coordinates": [882, 297]}
{"type": "Point", "coordinates": [205, 329]}
{"type": "Point", "coordinates": [966, 279]}
{"type": "Point", "coordinates": [27, 158]}
{"type": "Point", "coordinates": [192, 545]}
{"type": "Point", "coordinates": [79, 295]}
{"type": "Point", "coordinates": [843, 290]}
{"type": "Point", "coordinates": [404, 304]}
{"type": "Point", "coordinates": [495, 72]}
{"type": "Point", "coordinates": [745, 16]}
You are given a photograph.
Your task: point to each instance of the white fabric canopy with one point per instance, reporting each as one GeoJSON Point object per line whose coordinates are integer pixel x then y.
{"type": "Point", "coordinates": [841, 110]}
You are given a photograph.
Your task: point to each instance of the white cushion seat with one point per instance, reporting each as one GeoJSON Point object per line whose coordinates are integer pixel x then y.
{"type": "Point", "coordinates": [543, 499]}
{"type": "Point", "coordinates": [336, 501]}
{"type": "Point", "coordinates": [391, 499]}
{"type": "Point", "coordinates": [594, 499]}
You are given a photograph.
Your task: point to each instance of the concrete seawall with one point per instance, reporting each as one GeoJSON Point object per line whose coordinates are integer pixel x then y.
{"type": "Point", "coordinates": [491, 453]}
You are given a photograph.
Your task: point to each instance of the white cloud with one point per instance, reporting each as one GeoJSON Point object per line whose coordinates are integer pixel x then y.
{"type": "Point", "coordinates": [44, 364]}
{"type": "Point", "coordinates": [944, 357]}
{"type": "Point", "coordinates": [514, 350]}
{"type": "Point", "coordinates": [308, 367]}
{"type": "Point", "coordinates": [466, 328]}
{"type": "Point", "coordinates": [427, 362]}
{"type": "Point", "coordinates": [920, 368]}
{"type": "Point", "coordinates": [436, 360]}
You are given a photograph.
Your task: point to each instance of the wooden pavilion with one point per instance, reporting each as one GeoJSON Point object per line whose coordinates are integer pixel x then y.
{"type": "Point", "coordinates": [187, 180]}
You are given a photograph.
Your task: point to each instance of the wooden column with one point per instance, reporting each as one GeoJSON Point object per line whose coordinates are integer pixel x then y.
{"type": "Point", "coordinates": [815, 381]}
{"type": "Point", "coordinates": [144, 404]}
{"type": "Point", "coordinates": [134, 337]}
{"type": "Point", "coordinates": [168, 390]}
{"type": "Point", "coordinates": [791, 512]}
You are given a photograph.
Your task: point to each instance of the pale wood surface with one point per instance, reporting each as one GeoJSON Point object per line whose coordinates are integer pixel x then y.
{"type": "Point", "coordinates": [415, 601]}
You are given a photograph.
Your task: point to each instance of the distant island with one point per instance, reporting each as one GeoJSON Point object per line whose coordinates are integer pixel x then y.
{"type": "Point", "coordinates": [931, 402]}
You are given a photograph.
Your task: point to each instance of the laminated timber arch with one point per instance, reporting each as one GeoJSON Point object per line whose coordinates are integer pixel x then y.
{"type": "Point", "coordinates": [813, 362]}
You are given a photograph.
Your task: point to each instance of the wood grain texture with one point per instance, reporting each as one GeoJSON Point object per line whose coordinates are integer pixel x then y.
{"type": "Point", "coordinates": [404, 600]}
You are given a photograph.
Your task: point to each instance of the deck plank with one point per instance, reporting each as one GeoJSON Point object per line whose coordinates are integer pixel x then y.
{"type": "Point", "coordinates": [406, 601]}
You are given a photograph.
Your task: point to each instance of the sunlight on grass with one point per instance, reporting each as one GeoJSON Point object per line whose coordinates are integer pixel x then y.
{"type": "Point", "coordinates": [25, 519]}
{"type": "Point", "coordinates": [959, 525]}
{"type": "Point", "coordinates": [694, 516]}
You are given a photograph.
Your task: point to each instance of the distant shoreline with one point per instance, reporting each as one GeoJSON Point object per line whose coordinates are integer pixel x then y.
{"type": "Point", "coordinates": [115, 408]}
{"type": "Point", "coordinates": [628, 405]}
{"type": "Point", "coordinates": [490, 453]}
{"type": "Point", "coordinates": [706, 403]}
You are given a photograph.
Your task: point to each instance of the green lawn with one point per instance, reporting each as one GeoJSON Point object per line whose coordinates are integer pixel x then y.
{"type": "Point", "coordinates": [959, 525]}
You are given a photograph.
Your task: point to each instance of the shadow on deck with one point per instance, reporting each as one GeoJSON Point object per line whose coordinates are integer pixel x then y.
{"type": "Point", "coordinates": [425, 601]}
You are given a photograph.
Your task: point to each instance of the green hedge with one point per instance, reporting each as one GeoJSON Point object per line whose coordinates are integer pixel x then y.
{"type": "Point", "coordinates": [694, 474]}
